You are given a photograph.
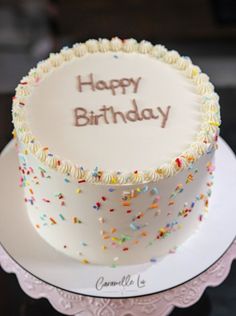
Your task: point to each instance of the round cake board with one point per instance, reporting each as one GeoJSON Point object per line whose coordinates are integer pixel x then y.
{"type": "Point", "coordinates": [21, 241]}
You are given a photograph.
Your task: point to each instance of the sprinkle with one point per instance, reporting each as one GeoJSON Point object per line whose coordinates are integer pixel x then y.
{"type": "Point", "coordinates": [76, 220]}
{"type": "Point", "coordinates": [154, 190]}
{"type": "Point", "coordinates": [214, 123]}
{"type": "Point", "coordinates": [200, 218]}
{"type": "Point", "coordinates": [31, 191]}
{"type": "Point", "coordinates": [152, 206]}
{"type": "Point", "coordinates": [104, 198]}
{"type": "Point", "coordinates": [85, 261]}
{"type": "Point", "coordinates": [84, 243]}
{"type": "Point", "coordinates": [111, 190]}
{"type": "Point", "coordinates": [111, 210]}
{"type": "Point", "coordinates": [106, 237]}
{"type": "Point", "coordinates": [45, 148]}
{"type": "Point", "coordinates": [134, 226]}
{"type": "Point", "coordinates": [126, 203]}
{"type": "Point", "coordinates": [178, 162]}
{"type": "Point", "coordinates": [62, 217]}
{"type": "Point", "coordinates": [37, 226]}
{"type": "Point", "coordinates": [128, 211]}
{"type": "Point", "coordinates": [52, 220]}
{"type": "Point", "coordinates": [81, 181]}
{"type": "Point", "coordinates": [67, 180]}
{"type": "Point", "coordinates": [65, 246]}
{"type": "Point", "coordinates": [101, 220]}
{"type": "Point", "coordinates": [46, 200]}
{"type": "Point", "coordinates": [113, 230]}
{"type": "Point", "coordinates": [171, 203]}
{"type": "Point", "coordinates": [78, 190]}
{"type": "Point", "coordinates": [144, 234]}
{"type": "Point", "coordinates": [104, 247]}
{"type": "Point", "coordinates": [125, 249]}
{"type": "Point", "coordinates": [115, 258]}
{"type": "Point", "coordinates": [145, 189]}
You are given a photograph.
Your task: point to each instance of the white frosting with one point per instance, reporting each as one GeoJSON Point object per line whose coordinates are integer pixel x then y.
{"type": "Point", "coordinates": [125, 147]}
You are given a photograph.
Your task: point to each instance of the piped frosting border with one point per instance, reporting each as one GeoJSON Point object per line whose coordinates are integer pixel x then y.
{"type": "Point", "coordinates": [205, 140]}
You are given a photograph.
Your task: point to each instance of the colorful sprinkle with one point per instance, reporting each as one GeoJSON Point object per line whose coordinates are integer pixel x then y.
{"type": "Point", "coordinates": [154, 191]}
{"type": "Point", "coordinates": [52, 220]}
{"type": "Point", "coordinates": [62, 217]}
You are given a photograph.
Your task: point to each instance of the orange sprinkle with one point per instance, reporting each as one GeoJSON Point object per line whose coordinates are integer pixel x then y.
{"type": "Point", "coordinates": [143, 234]}
{"type": "Point", "coordinates": [136, 242]}
{"type": "Point", "coordinates": [154, 205]}
{"type": "Point", "coordinates": [45, 148]}
{"type": "Point", "coordinates": [171, 203]}
{"type": "Point", "coordinates": [113, 230]}
{"type": "Point", "coordinates": [31, 191]}
{"type": "Point", "coordinates": [126, 203]}
{"type": "Point", "coordinates": [106, 237]}
{"type": "Point", "coordinates": [37, 226]}
{"type": "Point", "coordinates": [125, 249]}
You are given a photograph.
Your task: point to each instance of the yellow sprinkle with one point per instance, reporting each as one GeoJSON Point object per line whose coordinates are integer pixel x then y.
{"type": "Point", "coordinates": [195, 71]}
{"type": "Point", "coordinates": [114, 238]}
{"type": "Point", "coordinates": [114, 180]}
{"type": "Point", "coordinates": [78, 190]}
{"type": "Point", "coordinates": [214, 123]}
{"type": "Point", "coordinates": [26, 152]}
{"type": "Point", "coordinates": [104, 247]}
{"type": "Point", "coordinates": [85, 261]}
{"type": "Point", "coordinates": [126, 203]}
{"type": "Point", "coordinates": [138, 190]}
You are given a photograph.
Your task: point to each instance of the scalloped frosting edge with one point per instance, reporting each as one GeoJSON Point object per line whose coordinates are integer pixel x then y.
{"type": "Point", "coordinates": [205, 139]}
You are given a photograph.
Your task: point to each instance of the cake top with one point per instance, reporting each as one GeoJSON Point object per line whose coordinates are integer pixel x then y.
{"type": "Point", "coordinates": [117, 112]}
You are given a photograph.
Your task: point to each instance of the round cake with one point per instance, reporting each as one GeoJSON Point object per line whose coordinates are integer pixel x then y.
{"type": "Point", "coordinates": [116, 143]}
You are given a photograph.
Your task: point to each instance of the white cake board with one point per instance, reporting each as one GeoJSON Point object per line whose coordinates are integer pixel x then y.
{"type": "Point", "coordinates": [203, 249]}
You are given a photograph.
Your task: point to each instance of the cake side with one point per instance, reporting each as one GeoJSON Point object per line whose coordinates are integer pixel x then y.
{"type": "Point", "coordinates": [116, 224]}
{"type": "Point", "coordinates": [200, 124]}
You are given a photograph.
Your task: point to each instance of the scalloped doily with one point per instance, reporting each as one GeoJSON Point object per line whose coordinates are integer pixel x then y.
{"type": "Point", "coordinates": [158, 304]}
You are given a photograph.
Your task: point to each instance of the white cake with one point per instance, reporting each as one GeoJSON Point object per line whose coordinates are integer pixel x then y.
{"type": "Point", "coordinates": [116, 144]}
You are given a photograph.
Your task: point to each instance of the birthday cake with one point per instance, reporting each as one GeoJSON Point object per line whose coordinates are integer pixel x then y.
{"type": "Point", "coordinates": [116, 143]}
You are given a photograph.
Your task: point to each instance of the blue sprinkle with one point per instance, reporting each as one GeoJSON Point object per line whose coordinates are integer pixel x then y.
{"type": "Point", "coordinates": [115, 56]}
{"type": "Point", "coordinates": [192, 205]}
{"type": "Point", "coordinates": [134, 226]}
{"type": "Point", "coordinates": [145, 189]}
{"type": "Point", "coordinates": [66, 180]}
{"type": "Point", "coordinates": [111, 190]}
{"type": "Point", "coordinates": [154, 191]}
{"type": "Point", "coordinates": [153, 260]}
